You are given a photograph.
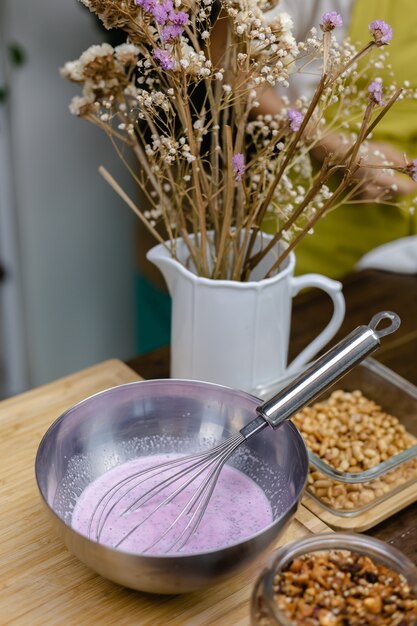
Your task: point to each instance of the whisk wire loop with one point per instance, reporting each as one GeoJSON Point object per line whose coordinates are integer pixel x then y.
{"type": "Point", "coordinates": [101, 509]}
{"type": "Point", "coordinates": [200, 462]}
{"type": "Point", "coordinates": [202, 497]}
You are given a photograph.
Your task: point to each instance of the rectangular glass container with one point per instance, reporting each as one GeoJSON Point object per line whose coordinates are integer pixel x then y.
{"type": "Point", "coordinates": [346, 493]}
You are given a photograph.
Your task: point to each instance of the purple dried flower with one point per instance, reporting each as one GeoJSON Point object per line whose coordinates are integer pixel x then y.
{"type": "Point", "coordinates": [147, 5]}
{"type": "Point", "coordinates": [165, 60]}
{"type": "Point", "coordinates": [411, 169]}
{"type": "Point", "coordinates": [170, 32]}
{"type": "Point", "coordinates": [238, 162]}
{"type": "Point", "coordinates": [381, 32]}
{"type": "Point", "coordinates": [330, 20]}
{"type": "Point", "coordinates": [375, 90]}
{"type": "Point", "coordinates": [165, 15]}
{"type": "Point", "coordinates": [161, 13]}
{"type": "Point", "coordinates": [169, 7]}
{"type": "Point", "coordinates": [295, 118]}
{"type": "Point", "coordinates": [180, 18]}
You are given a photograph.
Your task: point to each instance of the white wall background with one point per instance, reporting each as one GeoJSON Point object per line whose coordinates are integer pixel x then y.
{"type": "Point", "coordinates": [74, 236]}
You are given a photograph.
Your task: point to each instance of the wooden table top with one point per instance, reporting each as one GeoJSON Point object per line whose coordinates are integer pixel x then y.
{"type": "Point", "coordinates": [366, 293]}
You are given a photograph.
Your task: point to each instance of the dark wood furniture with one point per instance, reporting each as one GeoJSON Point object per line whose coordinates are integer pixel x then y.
{"type": "Point", "coordinates": [366, 293]}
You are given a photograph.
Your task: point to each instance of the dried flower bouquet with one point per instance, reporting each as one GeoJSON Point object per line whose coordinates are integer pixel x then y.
{"type": "Point", "coordinates": [185, 107]}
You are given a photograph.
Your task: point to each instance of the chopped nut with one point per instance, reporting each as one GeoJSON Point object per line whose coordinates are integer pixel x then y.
{"type": "Point", "coordinates": [352, 433]}
{"type": "Point", "coordinates": [326, 618]}
{"type": "Point", "coordinates": [374, 605]}
{"type": "Point", "coordinates": [339, 588]}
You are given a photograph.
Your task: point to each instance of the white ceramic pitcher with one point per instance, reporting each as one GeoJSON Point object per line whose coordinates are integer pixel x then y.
{"type": "Point", "coordinates": [237, 333]}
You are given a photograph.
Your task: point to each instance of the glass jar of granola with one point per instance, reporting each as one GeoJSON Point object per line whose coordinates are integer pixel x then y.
{"type": "Point", "coordinates": [336, 579]}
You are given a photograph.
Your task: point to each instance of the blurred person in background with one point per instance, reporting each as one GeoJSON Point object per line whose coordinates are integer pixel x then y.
{"type": "Point", "coordinates": [341, 239]}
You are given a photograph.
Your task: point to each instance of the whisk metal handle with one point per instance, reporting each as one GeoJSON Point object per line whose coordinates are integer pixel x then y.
{"type": "Point", "coordinates": [325, 371]}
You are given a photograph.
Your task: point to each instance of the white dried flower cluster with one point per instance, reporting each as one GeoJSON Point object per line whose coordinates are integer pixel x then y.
{"type": "Point", "coordinates": [153, 100]}
{"type": "Point", "coordinates": [272, 47]}
{"type": "Point", "coordinates": [104, 72]}
{"type": "Point", "coordinates": [80, 105]}
{"type": "Point", "coordinates": [77, 71]}
{"type": "Point", "coordinates": [194, 63]}
{"type": "Point", "coordinates": [127, 53]}
{"type": "Point", "coordinates": [164, 150]}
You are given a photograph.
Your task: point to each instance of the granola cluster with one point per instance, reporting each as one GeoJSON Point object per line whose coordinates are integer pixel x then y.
{"type": "Point", "coordinates": [342, 588]}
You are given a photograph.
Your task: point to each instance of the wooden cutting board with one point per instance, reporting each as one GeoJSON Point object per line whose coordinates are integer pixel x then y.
{"type": "Point", "coordinates": [41, 583]}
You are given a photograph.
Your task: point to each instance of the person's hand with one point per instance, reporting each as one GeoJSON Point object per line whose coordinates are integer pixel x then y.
{"type": "Point", "coordinates": [376, 182]}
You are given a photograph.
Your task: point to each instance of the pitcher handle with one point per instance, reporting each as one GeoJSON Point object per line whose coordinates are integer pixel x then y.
{"type": "Point", "coordinates": [334, 289]}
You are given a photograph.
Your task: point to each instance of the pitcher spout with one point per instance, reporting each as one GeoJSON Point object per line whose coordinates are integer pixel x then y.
{"type": "Point", "coordinates": [161, 257]}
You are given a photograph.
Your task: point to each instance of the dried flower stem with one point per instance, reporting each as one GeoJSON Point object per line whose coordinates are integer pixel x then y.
{"type": "Point", "coordinates": [345, 68]}
{"type": "Point", "coordinates": [228, 206]}
{"type": "Point", "coordinates": [248, 264]}
{"type": "Point", "coordinates": [384, 111]}
{"type": "Point", "coordinates": [112, 182]}
{"type": "Point", "coordinates": [326, 208]}
{"type": "Point", "coordinates": [326, 47]}
{"type": "Point", "coordinates": [324, 175]}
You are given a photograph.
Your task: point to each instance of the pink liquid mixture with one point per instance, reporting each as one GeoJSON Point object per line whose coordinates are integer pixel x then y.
{"type": "Point", "coordinates": [238, 509]}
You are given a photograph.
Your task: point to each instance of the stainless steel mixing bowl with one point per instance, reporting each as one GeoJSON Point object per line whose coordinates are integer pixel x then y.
{"type": "Point", "coordinates": [155, 416]}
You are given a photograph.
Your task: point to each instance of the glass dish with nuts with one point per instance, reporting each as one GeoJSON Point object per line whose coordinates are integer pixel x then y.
{"type": "Point", "coordinates": [362, 440]}
{"type": "Point", "coordinates": [336, 579]}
